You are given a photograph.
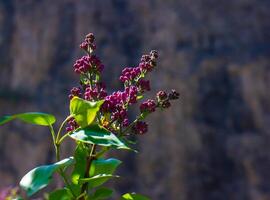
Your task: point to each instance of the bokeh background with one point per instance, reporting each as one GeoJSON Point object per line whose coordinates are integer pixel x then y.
{"type": "Point", "coordinates": [213, 144]}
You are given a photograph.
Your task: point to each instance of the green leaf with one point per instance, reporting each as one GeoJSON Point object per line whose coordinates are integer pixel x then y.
{"type": "Point", "coordinates": [37, 118]}
{"type": "Point", "coordinates": [95, 134]}
{"type": "Point", "coordinates": [101, 193]}
{"type": "Point", "coordinates": [130, 141]}
{"type": "Point", "coordinates": [102, 166]}
{"type": "Point", "coordinates": [84, 111]}
{"type": "Point", "coordinates": [5, 119]}
{"type": "Point", "coordinates": [40, 177]}
{"type": "Point", "coordinates": [60, 194]}
{"type": "Point", "coordinates": [80, 156]}
{"type": "Point", "coordinates": [97, 180]}
{"type": "Point", "coordinates": [134, 196]}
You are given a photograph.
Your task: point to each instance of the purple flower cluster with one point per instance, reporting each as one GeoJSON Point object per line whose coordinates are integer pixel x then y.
{"type": "Point", "coordinates": [140, 128]}
{"type": "Point", "coordinates": [95, 93]}
{"type": "Point", "coordinates": [148, 106]}
{"type": "Point", "coordinates": [114, 111]}
{"type": "Point", "coordinates": [87, 64]}
{"type": "Point", "coordinates": [88, 43]}
{"type": "Point", "coordinates": [129, 74]}
{"type": "Point", "coordinates": [114, 101]}
{"type": "Point", "coordinates": [143, 85]}
{"type": "Point", "coordinates": [131, 93]}
{"type": "Point", "coordinates": [164, 99]}
{"type": "Point", "coordinates": [75, 92]}
{"type": "Point", "coordinates": [117, 104]}
{"type": "Point", "coordinates": [148, 62]}
{"type": "Point", "coordinates": [72, 125]}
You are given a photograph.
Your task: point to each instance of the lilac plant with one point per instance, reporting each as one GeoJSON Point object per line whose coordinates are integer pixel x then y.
{"type": "Point", "coordinates": [98, 122]}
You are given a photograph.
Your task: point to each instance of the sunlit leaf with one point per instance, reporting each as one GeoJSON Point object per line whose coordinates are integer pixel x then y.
{"type": "Point", "coordinates": [102, 166]}
{"type": "Point", "coordinates": [37, 118]}
{"type": "Point", "coordinates": [84, 111]}
{"type": "Point", "coordinates": [40, 177]}
{"type": "Point", "coordinates": [95, 134]}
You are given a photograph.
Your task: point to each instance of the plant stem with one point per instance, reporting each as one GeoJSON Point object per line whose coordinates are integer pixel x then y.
{"type": "Point", "coordinates": [63, 137]}
{"type": "Point", "coordinates": [61, 171]}
{"type": "Point", "coordinates": [140, 117]}
{"type": "Point", "coordinates": [53, 137]}
{"type": "Point", "coordinates": [57, 154]}
{"type": "Point", "coordinates": [90, 158]}
{"type": "Point", "coordinates": [61, 127]}
{"type": "Point", "coordinates": [131, 125]}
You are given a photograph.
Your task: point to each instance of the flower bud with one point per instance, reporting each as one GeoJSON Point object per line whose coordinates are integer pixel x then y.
{"type": "Point", "coordinates": [148, 106]}
{"type": "Point", "coordinates": [92, 47]}
{"type": "Point", "coordinates": [140, 128]}
{"type": "Point", "coordinates": [125, 122]}
{"type": "Point", "coordinates": [161, 95]}
{"type": "Point", "coordinates": [145, 58]}
{"type": "Point", "coordinates": [166, 104]}
{"type": "Point", "coordinates": [90, 37]}
{"type": "Point", "coordinates": [84, 45]}
{"type": "Point", "coordinates": [144, 85]}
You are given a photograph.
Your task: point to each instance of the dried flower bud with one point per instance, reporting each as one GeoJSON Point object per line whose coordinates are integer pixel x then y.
{"type": "Point", "coordinates": [173, 95]}
{"type": "Point", "coordinates": [153, 63]}
{"type": "Point", "coordinates": [154, 54]}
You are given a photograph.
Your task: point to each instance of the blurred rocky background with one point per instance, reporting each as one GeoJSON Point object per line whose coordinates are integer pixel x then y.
{"type": "Point", "coordinates": [214, 144]}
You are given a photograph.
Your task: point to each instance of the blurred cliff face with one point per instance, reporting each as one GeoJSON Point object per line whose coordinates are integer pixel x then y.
{"type": "Point", "coordinates": [213, 144]}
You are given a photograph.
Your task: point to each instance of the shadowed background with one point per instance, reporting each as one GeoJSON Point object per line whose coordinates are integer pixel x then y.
{"type": "Point", "coordinates": [214, 144]}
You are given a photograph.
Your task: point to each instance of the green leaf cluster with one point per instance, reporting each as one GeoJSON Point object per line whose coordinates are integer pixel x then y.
{"type": "Point", "coordinates": [88, 137]}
